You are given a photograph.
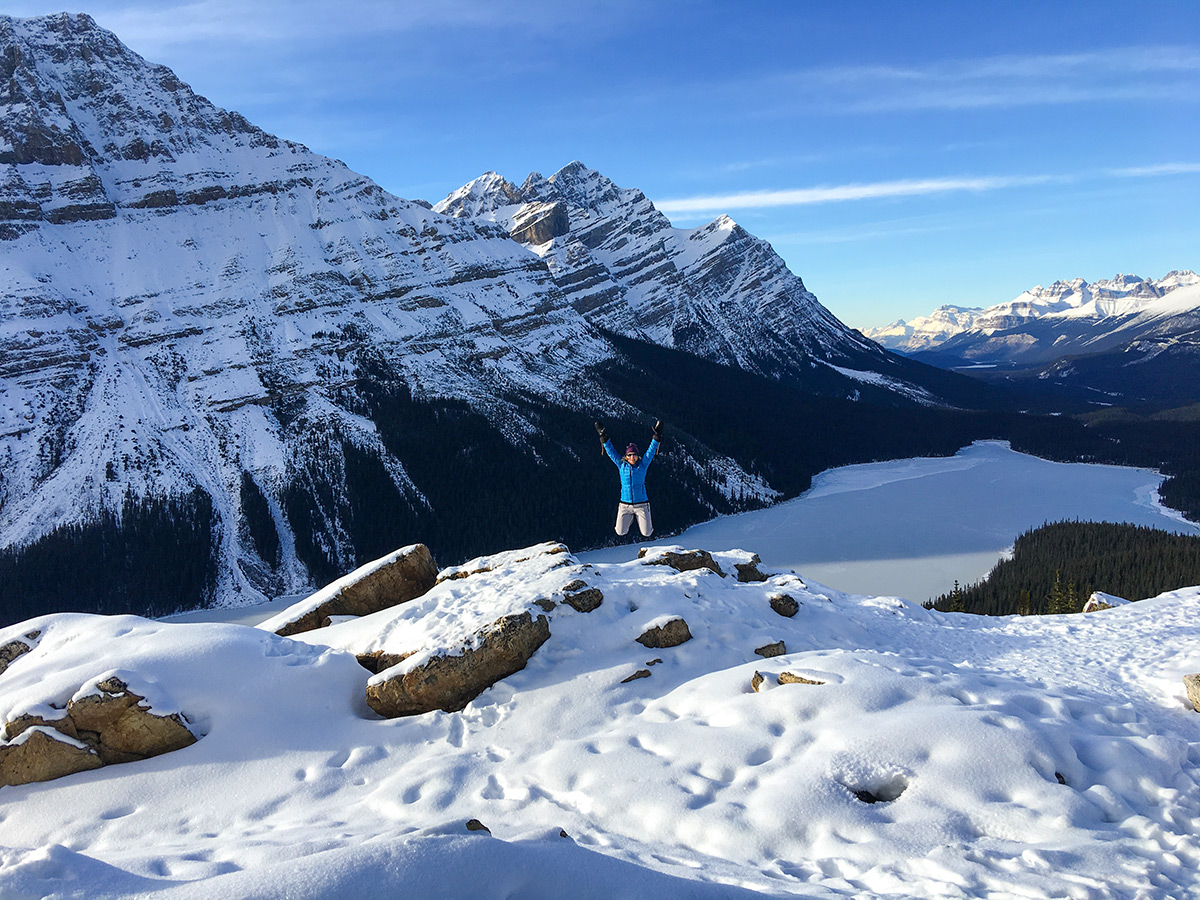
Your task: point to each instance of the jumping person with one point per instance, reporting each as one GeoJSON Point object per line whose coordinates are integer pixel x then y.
{"type": "Point", "coordinates": [632, 466]}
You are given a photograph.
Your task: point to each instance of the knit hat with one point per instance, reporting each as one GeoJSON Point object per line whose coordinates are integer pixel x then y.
{"type": "Point", "coordinates": [632, 448]}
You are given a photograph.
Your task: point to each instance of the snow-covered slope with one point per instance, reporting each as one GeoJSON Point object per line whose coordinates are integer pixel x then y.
{"type": "Point", "coordinates": [716, 291]}
{"type": "Point", "coordinates": [1046, 323]}
{"type": "Point", "coordinates": [1011, 757]}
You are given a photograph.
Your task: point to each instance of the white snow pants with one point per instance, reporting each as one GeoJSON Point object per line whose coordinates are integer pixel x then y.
{"type": "Point", "coordinates": [627, 512]}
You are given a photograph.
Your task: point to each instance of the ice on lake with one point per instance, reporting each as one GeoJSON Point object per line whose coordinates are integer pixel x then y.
{"type": "Point", "coordinates": [910, 528]}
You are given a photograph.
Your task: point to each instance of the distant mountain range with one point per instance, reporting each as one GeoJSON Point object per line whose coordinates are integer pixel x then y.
{"type": "Point", "coordinates": [1125, 340]}
{"type": "Point", "coordinates": [195, 311]}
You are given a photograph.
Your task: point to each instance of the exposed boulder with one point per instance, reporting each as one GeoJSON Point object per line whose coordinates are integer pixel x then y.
{"type": "Point", "coordinates": [1192, 684]}
{"type": "Point", "coordinates": [377, 660]}
{"type": "Point", "coordinates": [793, 678]}
{"type": "Point", "coordinates": [114, 721]}
{"type": "Point", "coordinates": [450, 682]}
{"type": "Point", "coordinates": [769, 650]}
{"type": "Point", "coordinates": [669, 634]}
{"type": "Point", "coordinates": [107, 724]}
{"type": "Point", "coordinates": [680, 560]}
{"type": "Point", "coordinates": [11, 651]}
{"type": "Point", "coordinates": [396, 578]}
{"type": "Point", "coordinates": [640, 673]}
{"type": "Point", "coordinates": [1100, 600]}
{"type": "Point", "coordinates": [749, 571]}
{"type": "Point", "coordinates": [784, 604]}
{"type": "Point", "coordinates": [19, 724]}
{"type": "Point", "coordinates": [756, 681]}
{"type": "Point", "coordinates": [476, 825]}
{"type": "Point", "coordinates": [41, 754]}
{"type": "Point", "coordinates": [580, 597]}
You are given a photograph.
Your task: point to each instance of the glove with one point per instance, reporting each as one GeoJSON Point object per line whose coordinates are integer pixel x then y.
{"type": "Point", "coordinates": [600, 431]}
{"type": "Point", "coordinates": [657, 430]}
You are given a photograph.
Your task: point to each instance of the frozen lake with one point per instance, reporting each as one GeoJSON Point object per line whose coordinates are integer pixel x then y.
{"type": "Point", "coordinates": [906, 528]}
{"type": "Point", "coordinates": [909, 528]}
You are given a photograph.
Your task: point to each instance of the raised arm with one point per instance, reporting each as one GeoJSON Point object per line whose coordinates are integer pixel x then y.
{"type": "Point", "coordinates": [654, 443]}
{"type": "Point", "coordinates": [606, 444]}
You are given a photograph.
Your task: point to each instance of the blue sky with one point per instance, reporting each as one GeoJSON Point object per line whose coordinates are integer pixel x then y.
{"type": "Point", "coordinates": [898, 155]}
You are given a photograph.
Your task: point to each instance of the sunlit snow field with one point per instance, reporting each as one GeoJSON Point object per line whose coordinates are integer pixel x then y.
{"type": "Point", "coordinates": [910, 528]}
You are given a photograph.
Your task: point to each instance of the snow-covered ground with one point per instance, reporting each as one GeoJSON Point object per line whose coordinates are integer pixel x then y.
{"type": "Point", "coordinates": [911, 527]}
{"type": "Point", "coordinates": [1013, 758]}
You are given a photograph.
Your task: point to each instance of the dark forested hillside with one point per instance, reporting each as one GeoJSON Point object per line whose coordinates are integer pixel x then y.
{"type": "Point", "coordinates": [157, 556]}
{"type": "Point", "coordinates": [1055, 568]}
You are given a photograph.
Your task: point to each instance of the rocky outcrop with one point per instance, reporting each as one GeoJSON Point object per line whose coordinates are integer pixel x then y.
{"type": "Point", "coordinates": [450, 681]}
{"type": "Point", "coordinates": [537, 223]}
{"type": "Point", "coordinates": [109, 724]}
{"type": "Point", "coordinates": [582, 598]}
{"type": "Point", "coordinates": [639, 674]}
{"type": "Point", "coordinates": [397, 578]}
{"type": "Point", "coordinates": [669, 634]}
{"type": "Point", "coordinates": [793, 678]}
{"type": "Point", "coordinates": [680, 560]}
{"type": "Point", "coordinates": [14, 649]}
{"type": "Point", "coordinates": [770, 650]}
{"type": "Point", "coordinates": [1192, 684]}
{"type": "Point", "coordinates": [1100, 600]}
{"type": "Point", "coordinates": [749, 571]}
{"type": "Point", "coordinates": [785, 605]}
{"type": "Point", "coordinates": [43, 754]}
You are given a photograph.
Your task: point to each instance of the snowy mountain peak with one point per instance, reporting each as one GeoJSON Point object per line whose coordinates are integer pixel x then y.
{"type": "Point", "coordinates": [1076, 300]}
{"type": "Point", "coordinates": [716, 291]}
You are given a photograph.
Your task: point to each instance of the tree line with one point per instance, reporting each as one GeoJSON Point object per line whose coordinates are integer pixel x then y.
{"type": "Point", "coordinates": [1055, 568]}
{"type": "Point", "coordinates": [154, 556]}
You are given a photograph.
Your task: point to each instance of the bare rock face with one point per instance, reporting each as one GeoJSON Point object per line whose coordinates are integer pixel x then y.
{"type": "Point", "coordinates": [537, 222]}
{"type": "Point", "coordinates": [1192, 683]}
{"type": "Point", "coordinates": [756, 681]}
{"type": "Point", "coordinates": [681, 561]}
{"type": "Point", "coordinates": [451, 682]}
{"type": "Point", "coordinates": [775, 649]}
{"type": "Point", "coordinates": [747, 572]}
{"type": "Point", "coordinates": [43, 755]}
{"type": "Point", "coordinates": [407, 576]}
{"type": "Point", "coordinates": [671, 634]}
{"type": "Point", "coordinates": [785, 605]}
{"type": "Point", "coordinates": [640, 673]}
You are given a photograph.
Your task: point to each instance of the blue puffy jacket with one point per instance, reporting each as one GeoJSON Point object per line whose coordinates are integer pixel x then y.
{"type": "Point", "coordinates": [633, 478]}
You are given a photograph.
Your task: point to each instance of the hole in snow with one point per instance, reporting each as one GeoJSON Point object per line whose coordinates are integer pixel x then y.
{"type": "Point", "coordinates": [880, 791]}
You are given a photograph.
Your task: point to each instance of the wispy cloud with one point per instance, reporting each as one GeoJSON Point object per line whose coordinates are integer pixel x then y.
{"type": "Point", "coordinates": [1119, 73]}
{"type": "Point", "coordinates": [912, 187]}
{"type": "Point", "coordinates": [1174, 168]}
{"type": "Point", "coordinates": [844, 192]}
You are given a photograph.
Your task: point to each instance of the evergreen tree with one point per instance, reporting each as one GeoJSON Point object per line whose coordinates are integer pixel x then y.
{"type": "Point", "coordinates": [1024, 603]}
